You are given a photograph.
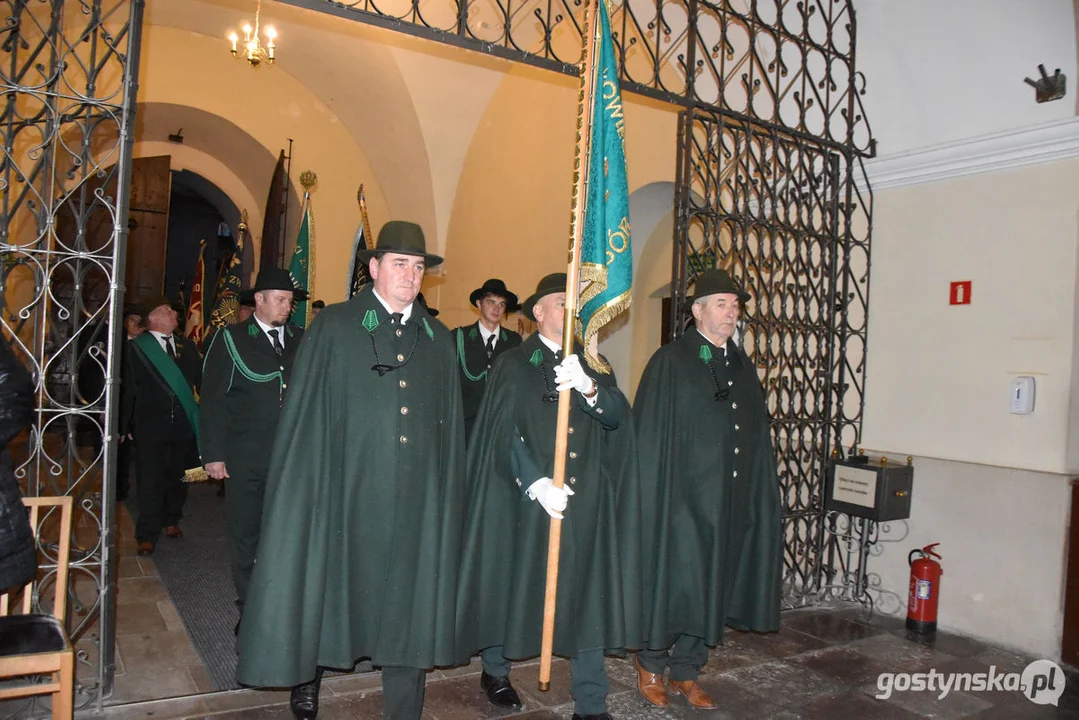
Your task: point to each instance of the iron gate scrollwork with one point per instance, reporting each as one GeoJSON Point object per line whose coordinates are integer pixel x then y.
{"type": "Point", "coordinates": [68, 73]}
{"type": "Point", "coordinates": [771, 187]}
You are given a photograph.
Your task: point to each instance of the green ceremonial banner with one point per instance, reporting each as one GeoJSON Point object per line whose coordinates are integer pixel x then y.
{"type": "Point", "coordinates": [302, 267]}
{"type": "Point", "coordinates": [606, 257]}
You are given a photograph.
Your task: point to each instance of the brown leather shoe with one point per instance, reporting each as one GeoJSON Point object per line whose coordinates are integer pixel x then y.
{"type": "Point", "coordinates": [145, 548]}
{"type": "Point", "coordinates": [650, 686]}
{"type": "Point", "coordinates": [174, 531]}
{"type": "Point", "coordinates": [694, 693]}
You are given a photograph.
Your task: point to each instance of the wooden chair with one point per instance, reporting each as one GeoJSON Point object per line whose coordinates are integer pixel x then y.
{"type": "Point", "coordinates": [38, 643]}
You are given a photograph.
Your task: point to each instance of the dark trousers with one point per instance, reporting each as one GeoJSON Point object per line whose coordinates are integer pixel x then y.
{"type": "Point", "coordinates": [123, 469]}
{"type": "Point", "coordinates": [161, 492]}
{"type": "Point", "coordinates": [243, 508]}
{"type": "Point", "coordinates": [685, 658]}
{"type": "Point", "coordinates": [588, 678]}
{"type": "Point", "coordinates": [402, 692]}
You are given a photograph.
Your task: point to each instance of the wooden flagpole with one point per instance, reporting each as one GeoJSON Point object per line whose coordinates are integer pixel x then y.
{"type": "Point", "coordinates": [573, 272]}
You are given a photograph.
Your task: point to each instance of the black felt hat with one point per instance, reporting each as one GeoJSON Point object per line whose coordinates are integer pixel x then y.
{"type": "Point", "coordinates": [272, 278]}
{"type": "Point", "coordinates": [399, 236]}
{"type": "Point", "coordinates": [494, 286]}
{"type": "Point", "coordinates": [246, 298]}
{"type": "Point", "coordinates": [714, 282]}
{"type": "Point", "coordinates": [553, 283]}
{"type": "Point", "coordinates": [148, 304]}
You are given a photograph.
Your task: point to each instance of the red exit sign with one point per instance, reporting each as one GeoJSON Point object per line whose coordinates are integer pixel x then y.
{"type": "Point", "coordinates": [960, 293]}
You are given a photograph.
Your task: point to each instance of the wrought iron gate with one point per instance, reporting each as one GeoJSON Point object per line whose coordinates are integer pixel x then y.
{"type": "Point", "coordinates": [770, 183]}
{"type": "Point", "coordinates": [770, 186]}
{"type": "Point", "coordinates": [68, 74]}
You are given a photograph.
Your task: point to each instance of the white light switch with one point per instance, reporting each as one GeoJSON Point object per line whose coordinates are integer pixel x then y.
{"type": "Point", "coordinates": [1022, 400]}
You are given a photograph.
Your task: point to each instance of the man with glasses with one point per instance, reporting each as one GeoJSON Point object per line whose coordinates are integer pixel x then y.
{"type": "Point", "coordinates": [711, 534]}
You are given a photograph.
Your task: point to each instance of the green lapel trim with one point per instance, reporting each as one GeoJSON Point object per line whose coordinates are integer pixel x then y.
{"type": "Point", "coordinates": [705, 354]}
{"type": "Point", "coordinates": [252, 331]}
{"type": "Point", "coordinates": [170, 372]}
{"type": "Point", "coordinates": [537, 357]}
{"type": "Point", "coordinates": [240, 365]}
{"type": "Point", "coordinates": [472, 333]}
{"type": "Point", "coordinates": [461, 359]}
{"type": "Point", "coordinates": [502, 334]}
{"type": "Point", "coordinates": [370, 320]}
{"type": "Point", "coordinates": [427, 329]}
{"type": "Point", "coordinates": [288, 329]}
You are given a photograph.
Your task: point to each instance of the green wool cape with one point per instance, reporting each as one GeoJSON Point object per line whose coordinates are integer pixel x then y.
{"type": "Point", "coordinates": [361, 527]}
{"type": "Point", "coordinates": [712, 535]}
{"type": "Point", "coordinates": [504, 561]}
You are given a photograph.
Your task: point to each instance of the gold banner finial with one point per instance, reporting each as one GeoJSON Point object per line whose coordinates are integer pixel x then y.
{"type": "Point", "coordinates": [243, 221]}
{"type": "Point", "coordinates": [308, 179]}
{"type": "Point", "coordinates": [359, 196]}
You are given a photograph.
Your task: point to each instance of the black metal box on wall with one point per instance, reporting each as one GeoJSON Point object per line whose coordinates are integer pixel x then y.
{"type": "Point", "coordinates": [870, 488]}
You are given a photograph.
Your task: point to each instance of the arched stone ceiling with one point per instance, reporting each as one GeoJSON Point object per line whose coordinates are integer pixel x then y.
{"type": "Point", "coordinates": [351, 68]}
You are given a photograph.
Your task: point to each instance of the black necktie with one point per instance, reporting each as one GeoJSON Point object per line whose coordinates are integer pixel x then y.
{"type": "Point", "coordinates": [397, 318]}
{"type": "Point", "coordinates": [168, 347]}
{"type": "Point", "coordinates": [490, 347]}
{"type": "Point", "coordinates": [275, 338]}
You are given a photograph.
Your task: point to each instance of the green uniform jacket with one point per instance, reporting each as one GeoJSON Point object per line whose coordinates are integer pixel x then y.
{"type": "Point", "coordinates": [472, 359]}
{"type": "Point", "coordinates": [361, 529]}
{"type": "Point", "coordinates": [713, 543]}
{"type": "Point", "coordinates": [504, 562]}
{"type": "Point", "coordinates": [243, 389]}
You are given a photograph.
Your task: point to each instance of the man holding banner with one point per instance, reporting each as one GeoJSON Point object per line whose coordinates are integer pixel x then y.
{"type": "Point", "coordinates": [504, 562]}
{"type": "Point", "coordinates": [159, 411]}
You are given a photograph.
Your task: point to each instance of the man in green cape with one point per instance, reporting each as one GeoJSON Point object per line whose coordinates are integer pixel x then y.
{"type": "Point", "coordinates": [708, 474]}
{"type": "Point", "coordinates": [360, 539]}
{"type": "Point", "coordinates": [510, 465]}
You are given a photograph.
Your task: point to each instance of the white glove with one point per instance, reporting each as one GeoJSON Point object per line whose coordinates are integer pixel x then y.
{"type": "Point", "coordinates": [569, 374]}
{"type": "Point", "coordinates": [553, 499]}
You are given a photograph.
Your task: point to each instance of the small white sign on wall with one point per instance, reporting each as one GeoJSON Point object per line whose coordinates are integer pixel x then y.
{"type": "Point", "coordinates": [856, 486]}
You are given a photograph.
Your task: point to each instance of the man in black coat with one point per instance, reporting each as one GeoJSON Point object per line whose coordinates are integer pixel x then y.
{"type": "Point", "coordinates": [244, 379]}
{"type": "Point", "coordinates": [478, 345]}
{"type": "Point", "coordinates": [159, 411]}
{"type": "Point", "coordinates": [18, 554]}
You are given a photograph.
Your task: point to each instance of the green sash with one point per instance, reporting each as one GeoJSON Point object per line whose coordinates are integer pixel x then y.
{"type": "Point", "coordinates": [170, 372]}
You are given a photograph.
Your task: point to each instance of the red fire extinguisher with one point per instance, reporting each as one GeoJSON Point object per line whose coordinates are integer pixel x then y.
{"type": "Point", "coordinates": [925, 575]}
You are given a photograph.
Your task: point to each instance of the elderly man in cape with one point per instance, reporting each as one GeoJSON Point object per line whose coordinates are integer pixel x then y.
{"type": "Point", "coordinates": [708, 473]}
{"type": "Point", "coordinates": [510, 465]}
{"type": "Point", "coordinates": [360, 541]}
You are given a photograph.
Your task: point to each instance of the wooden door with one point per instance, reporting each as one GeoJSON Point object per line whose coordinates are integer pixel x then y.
{"type": "Point", "coordinates": [148, 225]}
{"type": "Point", "coordinates": [1069, 651]}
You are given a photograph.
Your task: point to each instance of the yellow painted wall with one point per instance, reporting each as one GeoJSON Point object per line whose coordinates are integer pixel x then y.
{"type": "Point", "coordinates": [271, 106]}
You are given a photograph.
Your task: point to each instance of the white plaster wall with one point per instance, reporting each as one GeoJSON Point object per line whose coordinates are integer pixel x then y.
{"type": "Point", "coordinates": [1002, 537]}
{"type": "Point", "coordinates": [941, 70]}
{"type": "Point", "coordinates": [938, 376]}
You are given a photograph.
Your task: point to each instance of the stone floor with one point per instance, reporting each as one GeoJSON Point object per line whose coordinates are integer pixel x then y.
{"type": "Point", "coordinates": [824, 663]}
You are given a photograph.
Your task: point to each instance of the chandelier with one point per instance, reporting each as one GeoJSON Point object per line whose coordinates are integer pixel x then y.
{"type": "Point", "coordinates": [252, 50]}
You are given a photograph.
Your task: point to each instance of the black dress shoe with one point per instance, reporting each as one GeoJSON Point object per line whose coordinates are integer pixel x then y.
{"type": "Point", "coordinates": [499, 691]}
{"type": "Point", "coordinates": [597, 716]}
{"type": "Point", "coordinates": [304, 699]}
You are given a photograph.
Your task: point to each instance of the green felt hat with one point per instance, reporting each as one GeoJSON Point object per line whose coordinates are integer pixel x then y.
{"type": "Point", "coordinates": [553, 283]}
{"type": "Point", "coordinates": [399, 236]}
